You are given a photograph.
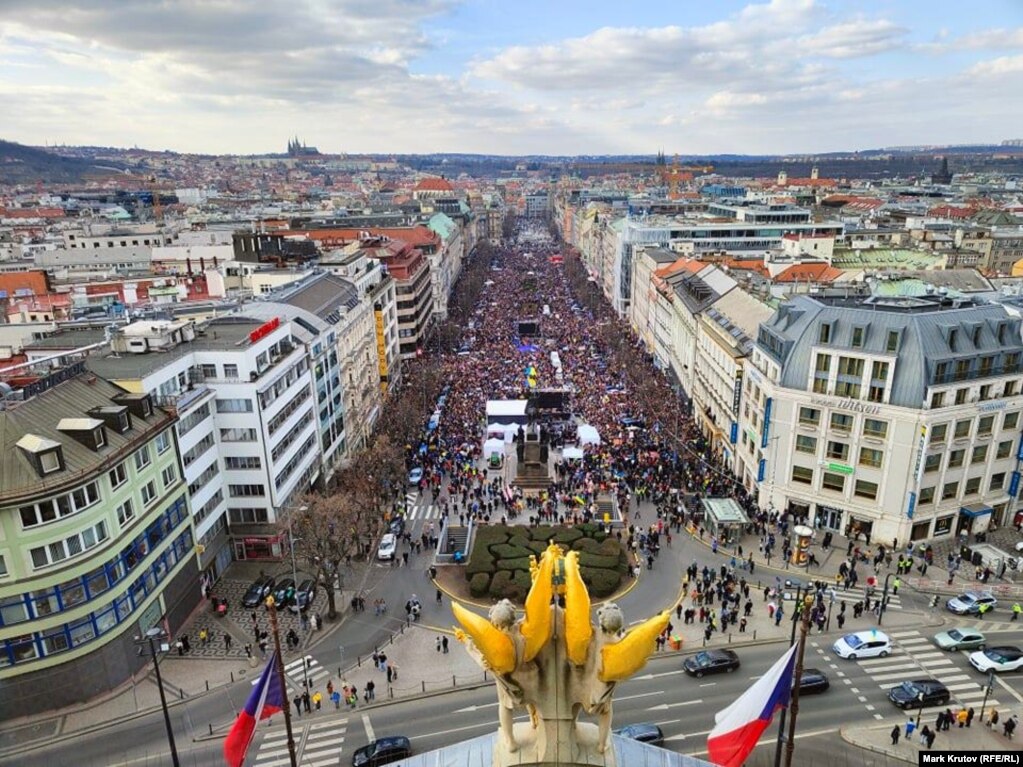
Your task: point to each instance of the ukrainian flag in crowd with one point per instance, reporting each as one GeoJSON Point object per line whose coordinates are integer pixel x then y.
{"type": "Point", "coordinates": [531, 376]}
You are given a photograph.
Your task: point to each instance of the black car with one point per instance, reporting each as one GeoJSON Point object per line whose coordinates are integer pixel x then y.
{"type": "Point", "coordinates": [711, 662]}
{"type": "Point", "coordinates": [396, 525]}
{"type": "Point", "coordinates": [305, 595]}
{"type": "Point", "coordinates": [284, 592]}
{"type": "Point", "coordinates": [644, 732]}
{"type": "Point", "coordinates": [382, 751]}
{"type": "Point", "coordinates": [258, 591]}
{"type": "Point", "coordinates": [907, 694]}
{"type": "Point", "coordinates": [813, 681]}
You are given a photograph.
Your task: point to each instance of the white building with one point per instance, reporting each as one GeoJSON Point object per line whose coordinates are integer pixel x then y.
{"type": "Point", "coordinates": [897, 418]}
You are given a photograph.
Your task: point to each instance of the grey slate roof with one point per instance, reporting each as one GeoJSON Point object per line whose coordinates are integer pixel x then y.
{"type": "Point", "coordinates": [324, 295]}
{"type": "Point", "coordinates": [924, 326]}
{"type": "Point", "coordinates": [40, 415]}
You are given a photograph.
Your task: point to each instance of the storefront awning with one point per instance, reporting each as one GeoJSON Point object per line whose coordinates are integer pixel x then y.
{"type": "Point", "coordinates": [976, 510]}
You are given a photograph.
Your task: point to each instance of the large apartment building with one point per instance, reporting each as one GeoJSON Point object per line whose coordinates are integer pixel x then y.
{"type": "Point", "coordinates": [894, 418]}
{"type": "Point", "coordinates": [96, 542]}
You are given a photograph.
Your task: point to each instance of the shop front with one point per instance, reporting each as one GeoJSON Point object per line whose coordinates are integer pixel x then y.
{"type": "Point", "coordinates": [975, 518]}
{"type": "Point", "coordinates": [272, 547]}
{"type": "Point", "coordinates": [828, 518]}
{"type": "Point", "coordinates": [860, 528]}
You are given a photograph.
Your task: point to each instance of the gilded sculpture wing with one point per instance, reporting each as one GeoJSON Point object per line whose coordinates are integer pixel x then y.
{"type": "Point", "coordinates": [536, 627]}
{"type": "Point", "coordinates": [578, 629]}
{"type": "Point", "coordinates": [495, 646]}
{"type": "Point", "coordinates": [625, 657]}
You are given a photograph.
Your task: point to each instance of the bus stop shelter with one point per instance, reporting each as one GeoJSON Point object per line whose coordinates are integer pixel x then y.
{"type": "Point", "coordinates": [724, 518]}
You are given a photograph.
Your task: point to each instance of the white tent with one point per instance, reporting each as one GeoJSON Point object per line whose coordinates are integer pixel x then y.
{"type": "Point", "coordinates": [572, 453]}
{"type": "Point", "coordinates": [507, 431]}
{"type": "Point", "coordinates": [588, 434]}
{"type": "Point", "coordinates": [492, 446]}
{"type": "Point", "coordinates": [506, 411]}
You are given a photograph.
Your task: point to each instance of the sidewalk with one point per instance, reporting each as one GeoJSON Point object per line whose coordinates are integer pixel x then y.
{"type": "Point", "coordinates": [877, 738]}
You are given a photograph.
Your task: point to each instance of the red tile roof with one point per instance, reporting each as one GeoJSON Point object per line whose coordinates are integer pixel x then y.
{"type": "Point", "coordinates": [417, 236]}
{"type": "Point", "coordinates": [434, 184]}
{"type": "Point", "coordinates": [809, 273]}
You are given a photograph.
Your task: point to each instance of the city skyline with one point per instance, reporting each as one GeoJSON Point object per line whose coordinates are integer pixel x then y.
{"type": "Point", "coordinates": [443, 76]}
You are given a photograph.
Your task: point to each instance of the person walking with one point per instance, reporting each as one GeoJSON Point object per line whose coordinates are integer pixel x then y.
{"type": "Point", "coordinates": [371, 690]}
{"type": "Point", "coordinates": [896, 732]}
{"type": "Point", "coordinates": [1016, 610]}
{"type": "Point", "coordinates": [227, 642]}
{"type": "Point", "coordinates": [969, 716]}
{"type": "Point", "coordinates": [444, 644]}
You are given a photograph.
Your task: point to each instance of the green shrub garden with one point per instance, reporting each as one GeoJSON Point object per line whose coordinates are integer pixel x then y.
{"type": "Point", "coordinates": [498, 567]}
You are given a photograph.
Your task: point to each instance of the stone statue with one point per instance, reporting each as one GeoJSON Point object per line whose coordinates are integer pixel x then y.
{"type": "Point", "coordinates": [553, 664]}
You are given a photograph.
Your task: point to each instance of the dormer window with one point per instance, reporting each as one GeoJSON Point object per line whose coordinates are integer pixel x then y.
{"type": "Point", "coordinates": [49, 461]}
{"type": "Point", "coordinates": [87, 431]}
{"type": "Point", "coordinates": [45, 455]}
{"type": "Point", "coordinates": [115, 417]}
{"type": "Point", "coordinates": [857, 338]}
{"type": "Point", "coordinates": [825, 334]}
{"type": "Point", "coordinates": [953, 339]}
{"type": "Point", "coordinates": [976, 336]}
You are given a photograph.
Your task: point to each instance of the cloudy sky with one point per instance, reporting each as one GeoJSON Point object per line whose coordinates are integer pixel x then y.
{"type": "Point", "coordinates": [522, 77]}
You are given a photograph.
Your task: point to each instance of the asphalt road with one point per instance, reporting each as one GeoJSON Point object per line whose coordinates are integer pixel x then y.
{"type": "Point", "coordinates": [684, 708]}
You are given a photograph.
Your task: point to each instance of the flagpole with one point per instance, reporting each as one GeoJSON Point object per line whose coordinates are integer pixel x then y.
{"type": "Point", "coordinates": [272, 609]}
{"type": "Point", "coordinates": [784, 711]}
{"type": "Point", "coordinates": [797, 676]}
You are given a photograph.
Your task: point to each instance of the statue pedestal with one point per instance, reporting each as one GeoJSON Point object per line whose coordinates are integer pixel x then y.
{"type": "Point", "coordinates": [556, 742]}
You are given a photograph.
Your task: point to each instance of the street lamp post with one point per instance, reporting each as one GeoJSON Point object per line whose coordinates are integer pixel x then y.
{"type": "Point", "coordinates": [151, 636]}
{"type": "Point", "coordinates": [884, 599]}
{"type": "Point", "coordinates": [987, 691]}
{"type": "Point", "coordinates": [784, 711]}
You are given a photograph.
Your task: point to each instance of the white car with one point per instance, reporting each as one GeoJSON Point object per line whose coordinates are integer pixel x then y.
{"type": "Point", "coordinates": [863, 644]}
{"type": "Point", "coordinates": [997, 659]}
{"type": "Point", "coordinates": [388, 547]}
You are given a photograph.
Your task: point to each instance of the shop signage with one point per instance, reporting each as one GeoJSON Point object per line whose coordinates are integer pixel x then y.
{"type": "Point", "coordinates": [997, 405]}
{"type": "Point", "coordinates": [1014, 484]}
{"type": "Point", "coordinates": [839, 468]}
{"type": "Point", "coordinates": [920, 448]}
{"type": "Point", "coordinates": [761, 469]}
{"type": "Point", "coordinates": [1019, 451]}
{"type": "Point", "coordinates": [846, 404]}
{"type": "Point", "coordinates": [150, 617]}
{"type": "Point", "coordinates": [733, 435]}
{"type": "Point", "coordinates": [911, 506]}
{"type": "Point", "coordinates": [737, 392]}
{"type": "Point", "coordinates": [767, 422]}
{"type": "Point", "coordinates": [265, 329]}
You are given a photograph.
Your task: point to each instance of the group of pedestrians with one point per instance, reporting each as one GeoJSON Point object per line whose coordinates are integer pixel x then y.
{"type": "Point", "coordinates": [948, 720]}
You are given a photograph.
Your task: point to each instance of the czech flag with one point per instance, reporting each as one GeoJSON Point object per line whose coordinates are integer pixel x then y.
{"type": "Point", "coordinates": [265, 700]}
{"type": "Point", "coordinates": [738, 727]}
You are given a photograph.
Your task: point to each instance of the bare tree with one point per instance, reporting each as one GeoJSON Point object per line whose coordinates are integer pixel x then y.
{"type": "Point", "coordinates": [330, 531]}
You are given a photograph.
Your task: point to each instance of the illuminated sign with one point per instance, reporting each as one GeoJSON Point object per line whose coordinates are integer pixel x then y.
{"type": "Point", "coordinates": [265, 329]}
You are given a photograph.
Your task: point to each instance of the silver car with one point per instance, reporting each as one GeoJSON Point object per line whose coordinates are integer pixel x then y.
{"type": "Point", "coordinates": [960, 638]}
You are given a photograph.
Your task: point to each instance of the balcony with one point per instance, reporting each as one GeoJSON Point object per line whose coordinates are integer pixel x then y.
{"type": "Point", "coordinates": [179, 403]}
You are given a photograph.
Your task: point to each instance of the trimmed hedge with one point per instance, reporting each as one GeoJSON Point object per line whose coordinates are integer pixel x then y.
{"type": "Point", "coordinates": [479, 585]}
{"type": "Point", "coordinates": [498, 566]}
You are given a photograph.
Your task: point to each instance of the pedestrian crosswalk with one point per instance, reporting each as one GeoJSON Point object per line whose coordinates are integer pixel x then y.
{"type": "Point", "coordinates": [314, 672]}
{"type": "Point", "coordinates": [318, 745]}
{"type": "Point", "coordinates": [431, 511]}
{"type": "Point", "coordinates": [915, 656]}
{"type": "Point", "coordinates": [322, 745]}
{"type": "Point", "coordinates": [857, 594]}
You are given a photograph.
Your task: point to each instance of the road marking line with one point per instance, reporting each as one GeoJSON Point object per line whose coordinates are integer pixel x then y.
{"type": "Point", "coordinates": [863, 699]}
{"type": "Point", "coordinates": [854, 690]}
{"type": "Point", "coordinates": [878, 716]}
{"type": "Point", "coordinates": [370, 735]}
{"type": "Point", "coordinates": [705, 684]}
{"type": "Point", "coordinates": [847, 681]}
{"type": "Point", "coordinates": [641, 695]}
{"type": "Point", "coordinates": [870, 707]}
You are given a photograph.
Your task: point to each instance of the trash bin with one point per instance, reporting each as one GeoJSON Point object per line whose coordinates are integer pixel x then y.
{"type": "Point", "coordinates": [675, 642]}
{"type": "Point", "coordinates": [966, 553]}
{"type": "Point", "coordinates": [977, 559]}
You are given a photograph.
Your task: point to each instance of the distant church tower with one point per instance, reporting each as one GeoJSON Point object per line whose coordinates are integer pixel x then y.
{"type": "Point", "coordinates": [815, 172]}
{"type": "Point", "coordinates": [783, 178]}
{"type": "Point", "coordinates": [944, 175]}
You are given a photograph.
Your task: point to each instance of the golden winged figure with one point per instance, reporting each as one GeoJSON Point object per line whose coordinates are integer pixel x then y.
{"type": "Point", "coordinates": [553, 662]}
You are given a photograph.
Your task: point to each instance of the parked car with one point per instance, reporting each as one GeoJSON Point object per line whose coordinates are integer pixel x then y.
{"type": "Point", "coordinates": [711, 662]}
{"type": "Point", "coordinates": [997, 659]}
{"type": "Point", "coordinates": [863, 644]}
{"type": "Point", "coordinates": [396, 525]}
{"type": "Point", "coordinates": [258, 591]}
{"type": "Point", "coordinates": [415, 476]}
{"type": "Point", "coordinates": [382, 751]}
{"type": "Point", "coordinates": [644, 732]}
{"type": "Point", "coordinates": [908, 694]}
{"type": "Point", "coordinates": [284, 592]}
{"type": "Point", "coordinates": [305, 595]}
{"type": "Point", "coordinates": [960, 639]}
{"type": "Point", "coordinates": [970, 602]}
{"type": "Point", "coordinates": [388, 547]}
{"type": "Point", "coordinates": [813, 681]}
